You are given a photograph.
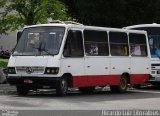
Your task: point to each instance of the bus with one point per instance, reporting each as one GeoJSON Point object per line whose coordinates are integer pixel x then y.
{"type": "Point", "coordinates": [64, 55]}
{"type": "Point", "coordinates": [153, 31]}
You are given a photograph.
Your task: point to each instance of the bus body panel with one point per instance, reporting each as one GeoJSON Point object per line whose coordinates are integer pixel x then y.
{"type": "Point", "coordinates": [74, 66]}
{"type": "Point", "coordinates": [119, 65]}
{"type": "Point", "coordinates": [139, 66]}
{"type": "Point", "coordinates": [95, 80]}
{"type": "Point", "coordinates": [97, 65]}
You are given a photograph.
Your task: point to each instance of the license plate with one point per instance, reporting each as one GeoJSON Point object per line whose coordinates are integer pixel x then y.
{"type": "Point", "coordinates": [28, 81]}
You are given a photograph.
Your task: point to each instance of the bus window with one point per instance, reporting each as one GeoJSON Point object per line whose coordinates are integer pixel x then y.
{"type": "Point", "coordinates": [118, 43]}
{"type": "Point", "coordinates": [137, 44]}
{"type": "Point", "coordinates": [74, 44]}
{"type": "Point", "coordinates": [153, 37]}
{"type": "Point", "coordinates": [96, 43]}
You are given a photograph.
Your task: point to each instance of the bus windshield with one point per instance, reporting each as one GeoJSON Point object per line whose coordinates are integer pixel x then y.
{"type": "Point", "coordinates": [44, 40]}
{"type": "Point", "coordinates": [154, 39]}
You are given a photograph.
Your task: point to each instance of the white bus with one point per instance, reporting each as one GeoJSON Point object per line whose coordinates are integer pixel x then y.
{"type": "Point", "coordinates": [153, 31]}
{"type": "Point", "coordinates": [62, 56]}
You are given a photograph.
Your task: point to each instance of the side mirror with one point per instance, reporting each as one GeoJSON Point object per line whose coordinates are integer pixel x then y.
{"type": "Point", "coordinates": [19, 33]}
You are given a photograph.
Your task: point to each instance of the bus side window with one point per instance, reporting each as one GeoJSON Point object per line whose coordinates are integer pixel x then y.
{"type": "Point", "coordinates": [74, 44]}
{"type": "Point", "coordinates": [96, 43]}
{"type": "Point", "coordinates": [138, 46]}
{"type": "Point", "coordinates": [118, 43]}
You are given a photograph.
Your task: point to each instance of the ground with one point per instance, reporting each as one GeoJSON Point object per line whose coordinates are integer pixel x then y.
{"type": "Point", "coordinates": [45, 102]}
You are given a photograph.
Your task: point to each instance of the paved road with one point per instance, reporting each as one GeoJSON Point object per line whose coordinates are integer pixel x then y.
{"type": "Point", "coordinates": [144, 99]}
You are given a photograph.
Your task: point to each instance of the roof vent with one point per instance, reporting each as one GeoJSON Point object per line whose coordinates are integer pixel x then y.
{"type": "Point", "coordinates": [56, 21]}
{"type": "Point", "coordinates": [65, 22]}
{"type": "Point", "coordinates": [72, 22]}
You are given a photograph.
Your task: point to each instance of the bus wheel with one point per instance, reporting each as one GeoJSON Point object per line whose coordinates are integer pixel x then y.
{"type": "Point", "coordinates": [86, 90]}
{"type": "Point", "coordinates": [21, 90]}
{"type": "Point", "coordinates": [62, 88]}
{"type": "Point", "coordinates": [122, 87]}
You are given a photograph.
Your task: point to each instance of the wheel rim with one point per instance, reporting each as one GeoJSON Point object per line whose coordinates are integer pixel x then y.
{"type": "Point", "coordinates": [123, 83]}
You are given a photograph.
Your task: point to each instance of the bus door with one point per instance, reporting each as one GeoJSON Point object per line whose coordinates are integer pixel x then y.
{"type": "Point", "coordinates": [73, 61]}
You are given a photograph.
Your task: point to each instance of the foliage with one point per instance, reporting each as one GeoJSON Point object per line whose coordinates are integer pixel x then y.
{"type": "Point", "coordinates": [18, 13]}
{"type": "Point", "coordinates": [111, 13]}
{"type": "Point", "coordinates": [114, 13]}
{"type": "Point", "coordinates": [3, 63]}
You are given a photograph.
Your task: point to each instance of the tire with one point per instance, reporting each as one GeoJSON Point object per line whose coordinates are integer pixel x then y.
{"type": "Point", "coordinates": [62, 88]}
{"type": "Point", "coordinates": [86, 90]}
{"type": "Point", "coordinates": [21, 90]}
{"type": "Point", "coordinates": [122, 87]}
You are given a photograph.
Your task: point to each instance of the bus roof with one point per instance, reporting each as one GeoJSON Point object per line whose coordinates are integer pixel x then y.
{"type": "Point", "coordinates": [80, 26]}
{"type": "Point", "coordinates": [142, 25]}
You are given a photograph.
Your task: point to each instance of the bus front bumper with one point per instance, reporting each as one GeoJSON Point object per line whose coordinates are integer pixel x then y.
{"type": "Point", "coordinates": [155, 79]}
{"type": "Point", "coordinates": [36, 82]}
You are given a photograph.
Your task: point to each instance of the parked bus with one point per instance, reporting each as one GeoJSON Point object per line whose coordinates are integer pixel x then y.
{"type": "Point", "coordinates": [70, 55]}
{"type": "Point", "coordinates": [153, 31]}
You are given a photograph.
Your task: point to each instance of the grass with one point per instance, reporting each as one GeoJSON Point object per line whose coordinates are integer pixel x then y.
{"type": "Point", "coordinates": [3, 63]}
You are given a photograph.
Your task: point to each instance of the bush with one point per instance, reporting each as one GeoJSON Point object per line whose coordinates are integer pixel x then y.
{"type": "Point", "coordinates": [3, 63]}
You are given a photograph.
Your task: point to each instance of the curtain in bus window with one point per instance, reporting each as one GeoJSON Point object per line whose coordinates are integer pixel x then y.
{"type": "Point", "coordinates": [136, 50]}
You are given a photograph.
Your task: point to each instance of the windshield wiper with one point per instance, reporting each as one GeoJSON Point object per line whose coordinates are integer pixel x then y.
{"type": "Point", "coordinates": [43, 50]}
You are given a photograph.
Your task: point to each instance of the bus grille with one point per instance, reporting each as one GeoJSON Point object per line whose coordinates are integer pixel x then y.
{"type": "Point", "coordinates": [33, 70]}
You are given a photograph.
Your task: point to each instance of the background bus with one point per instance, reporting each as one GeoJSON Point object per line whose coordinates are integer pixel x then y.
{"type": "Point", "coordinates": [153, 31]}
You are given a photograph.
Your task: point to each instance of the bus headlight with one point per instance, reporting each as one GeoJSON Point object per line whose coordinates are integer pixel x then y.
{"type": "Point", "coordinates": [11, 70]}
{"type": "Point", "coordinates": [51, 70]}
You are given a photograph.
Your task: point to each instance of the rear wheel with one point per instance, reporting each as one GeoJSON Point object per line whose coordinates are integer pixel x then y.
{"type": "Point", "coordinates": [86, 90]}
{"type": "Point", "coordinates": [62, 87]}
{"type": "Point", "coordinates": [122, 87]}
{"type": "Point", "coordinates": [22, 90]}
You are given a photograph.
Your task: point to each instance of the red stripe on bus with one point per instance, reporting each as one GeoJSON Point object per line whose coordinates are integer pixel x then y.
{"type": "Point", "coordinates": [104, 80]}
{"type": "Point", "coordinates": [139, 78]}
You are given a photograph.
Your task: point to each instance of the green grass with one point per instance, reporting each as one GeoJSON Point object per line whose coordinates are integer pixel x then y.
{"type": "Point", "coordinates": [3, 63]}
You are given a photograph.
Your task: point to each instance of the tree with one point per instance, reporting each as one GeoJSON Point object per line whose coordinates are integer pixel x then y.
{"type": "Point", "coordinates": [17, 13]}
{"type": "Point", "coordinates": [114, 13]}
{"type": "Point", "coordinates": [97, 12]}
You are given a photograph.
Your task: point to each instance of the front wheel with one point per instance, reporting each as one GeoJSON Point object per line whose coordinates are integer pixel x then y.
{"type": "Point", "coordinates": [62, 88]}
{"type": "Point", "coordinates": [122, 87]}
